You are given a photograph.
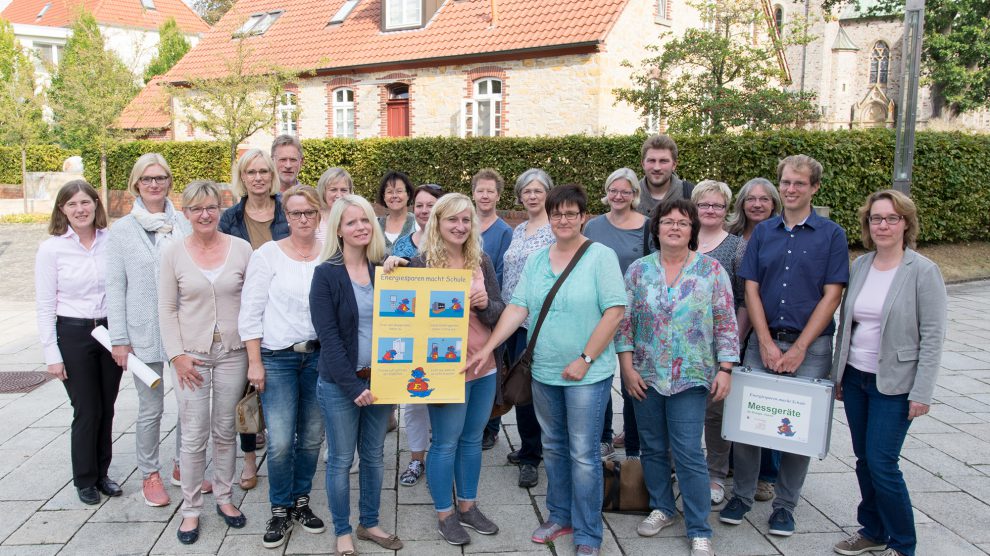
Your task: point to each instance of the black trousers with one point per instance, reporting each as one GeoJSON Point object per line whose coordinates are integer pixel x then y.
{"type": "Point", "coordinates": [92, 384]}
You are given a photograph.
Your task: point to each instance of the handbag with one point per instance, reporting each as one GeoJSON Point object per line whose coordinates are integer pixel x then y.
{"type": "Point", "coordinates": [625, 488]}
{"type": "Point", "coordinates": [249, 417]}
{"type": "Point", "coordinates": [517, 384]}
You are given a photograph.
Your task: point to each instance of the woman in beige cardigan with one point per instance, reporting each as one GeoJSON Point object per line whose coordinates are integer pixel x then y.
{"type": "Point", "coordinates": [198, 303]}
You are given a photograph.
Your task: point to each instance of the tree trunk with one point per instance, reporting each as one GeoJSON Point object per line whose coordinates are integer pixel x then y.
{"type": "Point", "coordinates": [103, 182]}
{"type": "Point", "coordinates": [24, 186]}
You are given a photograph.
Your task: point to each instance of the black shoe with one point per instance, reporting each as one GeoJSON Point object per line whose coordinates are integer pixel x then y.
{"type": "Point", "coordinates": [188, 537]}
{"type": "Point", "coordinates": [305, 517]}
{"type": "Point", "coordinates": [89, 495]}
{"type": "Point", "coordinates": [528, 477]}
{"type": "Point", "coordinates": [107, 486]}
{"type": "Point", "coordinates": [277, 528]}
{"type": "Point", "coordinates": [234, 521]}
{"type": "Point", "coordinates": [488, 440]}
{"type": "Point", "coordinates": [513, 457]}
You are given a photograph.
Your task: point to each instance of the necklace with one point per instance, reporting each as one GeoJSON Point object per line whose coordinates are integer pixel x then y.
{"type": "Point", "coordinates": [680, 271]}
{"type": "Point", "coordinates": [705, 246]}
{"type": "Point", "coordinates": [305, 257]}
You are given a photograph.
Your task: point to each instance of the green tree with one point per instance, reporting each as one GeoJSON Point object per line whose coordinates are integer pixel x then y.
{"type": "Point", "coordinates": [955, 56]}
{"type": "Point", "coordinates": [724, 76]}
{"type": "Point", "coordinates": [90, 89]}
{"type": "Point", "coordinates": [21, 107]}
{"type": "Point", "coordinates": [235, 105]}
{"type": "Point", "coordinates": [172, 46]}
{"type": "Point", "coordinates": [212, 10]}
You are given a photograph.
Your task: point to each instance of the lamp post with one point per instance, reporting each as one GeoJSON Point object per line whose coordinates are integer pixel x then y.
{"type": "Point", "coordinates": [914, 25]}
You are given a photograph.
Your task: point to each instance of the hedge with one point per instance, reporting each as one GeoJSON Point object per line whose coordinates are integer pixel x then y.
{"type": "Point", "coordinates": [949, 175]}
{"type": "Point", "coordinates": [40, 158]}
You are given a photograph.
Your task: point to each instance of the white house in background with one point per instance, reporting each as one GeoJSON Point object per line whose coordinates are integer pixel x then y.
{"type": "Point", "coordinates": [130, 27]}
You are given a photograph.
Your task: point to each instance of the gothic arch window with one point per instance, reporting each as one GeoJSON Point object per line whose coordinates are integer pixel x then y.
{"type": "Point", "coordinates": [879, 63]}
{"type": "Point", "coordinates": [778, 17]}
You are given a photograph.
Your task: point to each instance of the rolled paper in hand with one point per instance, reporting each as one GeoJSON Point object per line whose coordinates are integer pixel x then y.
{"type": "Point", "coordinates": [134, 365]}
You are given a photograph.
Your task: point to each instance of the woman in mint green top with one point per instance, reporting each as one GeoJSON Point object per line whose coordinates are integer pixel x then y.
{"type": "Point", "coordinates": [573, 365]}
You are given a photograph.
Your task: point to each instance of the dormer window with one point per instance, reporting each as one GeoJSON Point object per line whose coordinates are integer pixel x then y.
{"type": "Point", "coordinates": [402, 14]}
{"type": "Point", "coordinates": [257, 24]}
{"type": "Point", "coordinates": [343, 12]}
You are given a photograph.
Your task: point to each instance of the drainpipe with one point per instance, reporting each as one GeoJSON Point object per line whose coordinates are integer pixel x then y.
{"type": "Point", "coordinates": [804, 47]}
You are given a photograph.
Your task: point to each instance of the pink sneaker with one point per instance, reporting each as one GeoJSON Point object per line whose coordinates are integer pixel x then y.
{"type": "Point", "coordinates": [154, 491]}
{"type": "Point", "coordinates": [549, 531]}
{"type": "Point", "coordinates": [176, 480]}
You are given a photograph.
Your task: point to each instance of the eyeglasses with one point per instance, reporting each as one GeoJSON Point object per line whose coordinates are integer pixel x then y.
{"type": "Point", "coordinates": [536, 192]}
{"type": "Point", "coordinates": [891, 219]}
{"type": "Point", "coordinates": [760, 200]}
{"type": "Point", "coordinates": [264, 172]}
{"type": "Point", "coordinates": [299, 214]}
{"type": "Point", "coordinates": [619, 192]}
{"type": "Point", "coordinates": [717, 207]}
{"type": "Point", "coordinates": [211, 209]}
{"type": "Point", "coordinates": [568, 216]}
{"type": "Point", "coordinates": [671, 223]}
{"type": "Point", "coordinates": [784, 184]}
{"type": "Point", "coordinates": [160, 180]}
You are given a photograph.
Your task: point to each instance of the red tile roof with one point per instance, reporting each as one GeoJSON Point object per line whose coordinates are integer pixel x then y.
{"type": "Point", "coordinates": [124, 13]}
{"type": "Point", "coordinates": [150, 109]}
{"type": "Point", "coordinates": [301, 39]}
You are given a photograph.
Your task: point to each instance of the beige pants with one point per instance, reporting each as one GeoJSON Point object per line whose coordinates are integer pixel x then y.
{"type": "Point", "coordinates": [224, 377]}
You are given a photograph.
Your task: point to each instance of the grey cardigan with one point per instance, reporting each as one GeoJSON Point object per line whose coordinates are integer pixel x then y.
{"type": "Point", "coordinates": [132, 287]}
{"type": "Point", "coordinates": [912, 326]}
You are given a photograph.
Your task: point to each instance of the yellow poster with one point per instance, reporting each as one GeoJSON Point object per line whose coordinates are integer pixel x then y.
{"type": "Point", "coordinates": [419, 337]}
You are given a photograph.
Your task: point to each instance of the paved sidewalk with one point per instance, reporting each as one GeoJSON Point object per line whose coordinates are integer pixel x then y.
{"type": "Point", "coordinates": [946, 461]}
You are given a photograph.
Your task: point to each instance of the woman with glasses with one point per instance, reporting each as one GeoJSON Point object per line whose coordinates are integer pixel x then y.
{"type": "Point", "coordinates": [333, 184]}
{"type": "Point", "coordinates": [888, 351]}
{"type": "Point", "coordinates": [395, 192]}
{"type": "Point", "coordinates": [677, 345]}
{"type": "Point", "coordinates": [199, 299]}
{"type": "Point", "coordinates": [133, 255]}
{"type": "Point", "coordinates": [625, 230]}
{"type": "Point", "coordinates": [416, 416]}
{"type": "Point", "coordinates": [713, 199]}
{"type": "Point", "coordinates": [283, 353]}
{"type": "Point", "coordinates": [573, 365]}
{"type": "Point", "coordinates": [258, 218]}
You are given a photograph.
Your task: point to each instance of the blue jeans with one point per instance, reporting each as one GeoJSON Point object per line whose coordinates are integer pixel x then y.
{"type": "Point", "coordinates": [349, 427]}
{"type": "Point", "coordinates": [675, 424]}
{"type": "Point", "coordinates": [295, 429]}
{"type": "Point", "coordinates": [878, 424]}
{"type": "Point", "coordinates": [571, 418]}
{"type": "Point", "coordinates": [455, 454]}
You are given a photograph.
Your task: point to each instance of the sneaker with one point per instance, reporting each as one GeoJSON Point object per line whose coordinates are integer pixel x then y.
{"type": "Point", "coordinates": [857, 544]}
{"type": "Point", "coordinates": [528, 477]}
{"type": "Point", "coordinates": [277, 528]}
{"type": "Point", "coordinates": [606, 451]}
{"type": "Point", "coordinates": [733, 512]}
{"type": "Point", "coordinates": [632, 458]}
{"type": "Point", "coordinates": [412, 474]}
{"type": "Point", "coordinates": [452, 531]}
{"type": "Point", "coordinates": [176, 480]}
{"type": "Point", "coordinates": [781, 523]}
{"type": "Point", "coordinates": [304, 515]}
{"type": "Point", "coordinates": [654, 523]}
{"type": "Point", "coordinates": [889, 552]}
{"type": "Point", "coordinates": [718, 495]}
{"type": "Point", "coordinates": [701, 546]}
{"type": "Point", "coordinates": [588, 550]}
{"type": "Point", "coordinates": [154, 491]}
{"type": "Point", "coordinates": [513, 457]}
{"type": "Point", "coordinates": [488, 440]}
{"type": "Point", "coordinates": [764, 491]}
{"type": "Point", "coordinates": [476, 520]}
{"type": "Point", "coordinates": [620, 440]}
{"type": "Point", "coordinates": [549, 531]}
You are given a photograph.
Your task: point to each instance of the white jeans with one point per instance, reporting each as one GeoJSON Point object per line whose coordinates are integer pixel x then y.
{"type": "Point", "coordinates": [417, 426]}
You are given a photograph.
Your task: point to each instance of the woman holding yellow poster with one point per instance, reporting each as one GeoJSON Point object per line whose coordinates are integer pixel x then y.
{"type": "Point", "coordinates": [453, 241]}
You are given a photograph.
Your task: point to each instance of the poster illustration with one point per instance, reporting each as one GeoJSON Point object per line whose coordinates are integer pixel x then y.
{"type": "Point", "coordinates": [777, 414]}
{"type": "Point", "coordinates": [419, 334]}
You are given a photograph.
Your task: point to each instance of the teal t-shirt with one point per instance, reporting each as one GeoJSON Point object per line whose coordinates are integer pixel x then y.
{"type": "Point", "coordinates": [593, 286]}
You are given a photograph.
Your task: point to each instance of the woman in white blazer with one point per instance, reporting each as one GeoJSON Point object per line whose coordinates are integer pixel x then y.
{"type": "Point", "coordinates": [891, 329]}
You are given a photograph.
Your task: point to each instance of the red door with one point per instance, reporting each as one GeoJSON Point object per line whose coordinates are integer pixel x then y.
{"type": "Point", "coordinates": [397, 114]}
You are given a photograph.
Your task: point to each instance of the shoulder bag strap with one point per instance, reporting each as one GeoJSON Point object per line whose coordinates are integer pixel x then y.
{"type": "Point", "coordinates": [553, 292]}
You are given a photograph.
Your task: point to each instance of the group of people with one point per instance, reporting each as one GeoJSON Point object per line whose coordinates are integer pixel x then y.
{"type": "Point", "coordinates": [670, 287]}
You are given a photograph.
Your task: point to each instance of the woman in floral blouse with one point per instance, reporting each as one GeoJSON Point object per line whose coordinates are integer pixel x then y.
{"type": "Point", "coordinates": [677, 342]}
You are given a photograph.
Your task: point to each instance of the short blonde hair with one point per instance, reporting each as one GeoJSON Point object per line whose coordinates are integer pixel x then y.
{"type": "Point", "coordinates": [330, 176]}
{"type": "Point", "coordinates": [333, 247]}
{"type": "Point", "coordinates": [903, 205]}
{"type": "Point", "coordinates": [142, 163]}
{"type": "Point", "coordinates": [624, 174]}
{"type": "Point", "coordinates": [711, 186]}
{"type": "Point", "coordinates": [304, 191]}
{"type": "Point", "coordinates": [433, 249]}
{"type": "Point", "coordinates": [237, 184]}
{"type": "Point", "coordinates": [197, 189]}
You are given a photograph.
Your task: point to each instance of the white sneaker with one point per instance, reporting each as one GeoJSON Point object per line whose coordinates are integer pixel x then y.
{"type": "Point", "coordinates": [701, 546]}
{"type": "Point", "coordinates": [654, 523]}
{"type": "Point", "coordinates": [718, 495]}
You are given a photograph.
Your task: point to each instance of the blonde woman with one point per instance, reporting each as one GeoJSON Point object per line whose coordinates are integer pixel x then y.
{"type": "Point", "coordinates": [259, 216]}
{"type": "Point", "coordinates": [333, 184]}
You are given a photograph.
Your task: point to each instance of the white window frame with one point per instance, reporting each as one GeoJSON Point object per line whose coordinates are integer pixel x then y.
{"type": "Point", "coordinates": [343, 12]}
{"type": "Point", "coordinates": [343, 113]}
{"type": "Point", "coordinates": [403, 14]}
{"type": "Point", "coordinates": [257, 24]}
{"type": "Point", "coordinates": [662, 10]}
{"type": "Point", "coordinates": [288, 113]}
{"type": "Point", "coordinates": [470, 109]}
{"type": "Point", "coordinates": [148, 4]}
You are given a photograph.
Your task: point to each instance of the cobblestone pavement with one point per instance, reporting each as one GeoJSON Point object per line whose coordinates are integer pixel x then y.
{"type": "Point", "coordinates": [946, 461]}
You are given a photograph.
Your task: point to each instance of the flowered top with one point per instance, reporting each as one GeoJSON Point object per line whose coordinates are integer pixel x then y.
{"type": "Point", "coordinates": [519, 250]}
{"type": "Point", "coordinates": [678, 334]}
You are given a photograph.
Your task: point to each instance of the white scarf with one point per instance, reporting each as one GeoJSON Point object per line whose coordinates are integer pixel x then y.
{"type": "Point", "coordinates": [161, 223]}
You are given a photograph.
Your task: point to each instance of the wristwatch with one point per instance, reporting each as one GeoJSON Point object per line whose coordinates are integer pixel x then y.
{"type": "Point", "coordinates": [587, 358]}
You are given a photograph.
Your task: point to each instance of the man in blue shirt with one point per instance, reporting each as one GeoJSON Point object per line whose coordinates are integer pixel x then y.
{"type": "Point", "coordinates": [796, 266]}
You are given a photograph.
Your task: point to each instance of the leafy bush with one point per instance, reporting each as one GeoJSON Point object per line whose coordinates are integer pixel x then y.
{"type": "Point", "coordinates": [40, 158]}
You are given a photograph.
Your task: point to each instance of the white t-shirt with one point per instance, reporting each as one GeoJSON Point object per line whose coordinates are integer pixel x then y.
{"type": "Point", "coordinates": [867, 313]}
{"type": "Point", "coordinates": [275, 299]}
